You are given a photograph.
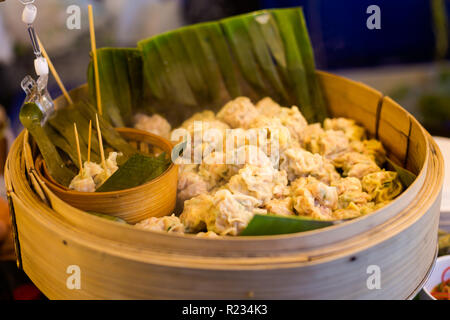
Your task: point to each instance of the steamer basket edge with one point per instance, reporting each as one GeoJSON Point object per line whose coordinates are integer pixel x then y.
{"type": "Point", "coordinates": [350, 227]}
{"type": "Point", "coordinates": [339, 92]}
{"type": "Point", "coordinates": [231, 243]}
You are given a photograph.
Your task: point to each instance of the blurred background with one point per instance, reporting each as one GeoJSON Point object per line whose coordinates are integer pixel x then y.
{"type": "Point", "coordinates": [407, 58]}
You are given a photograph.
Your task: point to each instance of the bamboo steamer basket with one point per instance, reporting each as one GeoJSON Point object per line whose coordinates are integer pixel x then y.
{"type": "Point", "coordinates": [155, 198]}
{"type": "Point", "coordinates": [121, 262]}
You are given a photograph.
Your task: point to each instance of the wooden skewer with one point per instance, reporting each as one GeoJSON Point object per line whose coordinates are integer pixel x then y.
{"type": "Point", "coordinates": [78, 147]}
{"type": "Point", "coordinates": [94, 52]}
{"type": "Point", "coordinates": [89, 142]}
{"type": "Point", "coordinates": [55, 74]}
{"type": "Point", "coordinates": [100, 142]}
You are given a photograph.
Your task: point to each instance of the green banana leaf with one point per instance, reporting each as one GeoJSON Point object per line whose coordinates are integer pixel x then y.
{"type": "Point", "coordinates": [31, 117]}
{"type": "Point", "coordinates": [120, 75]}
{"type": "Point", "coordinates": [270, 224]}
{"type": "Point", "coordinates": [62, 122]}
{"type": "Point", "coordinates": [406, 177]}
{"type": "Point", "coordinates": [263, 53]}
{"type": "Point", "coordinates": [136, 171]}
{"type": "Point", "coordinates": [110, 136]}
{"type": "Point", "coordinates": [60, 128]}
{"type": "Point", "coordinates": [61, 143]}
{"type": "Point", "coordinates": [57, 133]}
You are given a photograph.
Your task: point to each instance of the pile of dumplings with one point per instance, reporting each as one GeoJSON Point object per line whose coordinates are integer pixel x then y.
{"type": "Point", "coordinates": [324, 171]}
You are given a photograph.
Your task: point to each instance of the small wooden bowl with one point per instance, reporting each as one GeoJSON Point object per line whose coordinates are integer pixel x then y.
{"type": "Point", "coordinates": [155, 198]}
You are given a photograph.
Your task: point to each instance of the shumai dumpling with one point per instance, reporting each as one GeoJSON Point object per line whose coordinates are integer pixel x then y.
{"type": "Point", "coordinates": [348, 126]}
{"type": "Point", "coordinates": [171, 224]}
{"type": "Point", "coordinates": [232, 212]}
{"type": "Point", "coordinates": [382, 185]}
{"type": "Point", "coordinates": [259, 182]}
{"type": "Point", "coordinates": [238, 113]}
{"type": "Point", "coordinates": [154, 124]}
{"type": "Point", "coordinates": [82, 182]}
{"type": "Point", "coordinates": [314, 198]}
{"type": "Point", "coordinates": [298, 162]}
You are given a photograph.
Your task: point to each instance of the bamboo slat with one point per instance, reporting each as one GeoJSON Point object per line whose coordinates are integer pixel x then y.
{"type": "Point", "coordinates": [394, 128]}
{"type": "Point", "coordinates": [416, 145]}
{"type": "Point", "coordinates": [351, 99]}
